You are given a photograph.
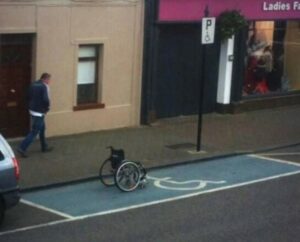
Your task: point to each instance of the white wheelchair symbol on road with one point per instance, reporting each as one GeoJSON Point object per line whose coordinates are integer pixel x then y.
{"type": "Point", "coordinates": [169, 184]}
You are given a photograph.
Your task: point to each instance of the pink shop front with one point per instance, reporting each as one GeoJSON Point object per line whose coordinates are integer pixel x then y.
{"type": "Point", "coordinates": [266, 55]}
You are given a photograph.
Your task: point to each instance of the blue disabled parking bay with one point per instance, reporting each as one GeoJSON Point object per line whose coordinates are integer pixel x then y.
{"type": "Point", "coordinates": [164, 185]}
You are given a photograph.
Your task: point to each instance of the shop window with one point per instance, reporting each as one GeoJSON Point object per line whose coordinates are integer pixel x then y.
{"type": "Point", "coordinates": [273, 56]}
{"type": "Point", "coordinates": [88, 75]}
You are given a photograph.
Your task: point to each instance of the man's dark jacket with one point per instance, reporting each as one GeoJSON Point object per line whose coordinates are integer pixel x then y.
{"type": "Point", "coordinates": [38, 97]}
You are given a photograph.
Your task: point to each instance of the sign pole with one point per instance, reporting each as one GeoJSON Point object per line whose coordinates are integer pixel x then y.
{"type": "Point", "coordinates": [201, 92]}
{"type": "Point", "coordinates": [208, 29]}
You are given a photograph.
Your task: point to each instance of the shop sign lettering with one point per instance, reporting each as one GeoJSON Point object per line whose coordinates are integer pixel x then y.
{"type": "Point", "coordinates": [281, 6]}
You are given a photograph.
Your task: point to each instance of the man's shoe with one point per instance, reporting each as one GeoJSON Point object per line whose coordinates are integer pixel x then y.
{"type": "Point", "coordinates": [22, 153]}
{"type": "Point", "coordinates": [48, 149]}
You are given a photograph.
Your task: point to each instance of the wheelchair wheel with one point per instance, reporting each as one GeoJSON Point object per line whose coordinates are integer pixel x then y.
{"type": "Point", "coordinates": [143, 172]}
{"type": "Point", "coordinates": [143, 175]}
{"type": "Point", "coordinates": [106, 173]}
{"type": "Point", "coordinates": [127, 177]}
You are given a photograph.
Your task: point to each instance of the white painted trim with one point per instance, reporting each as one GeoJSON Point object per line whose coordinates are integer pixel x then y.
{"type": "Point", "coordinates": [225, 72]}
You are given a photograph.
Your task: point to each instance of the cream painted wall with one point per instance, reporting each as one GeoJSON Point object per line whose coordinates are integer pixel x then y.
{"type": "Point", "coordinates": [55, 55]}
{"type": "Point", "coordinates": [59, 30]}
{"type": "Point", "coordinates": [17, 19]}
{"type": "Point", "coordinates": [118, 47]}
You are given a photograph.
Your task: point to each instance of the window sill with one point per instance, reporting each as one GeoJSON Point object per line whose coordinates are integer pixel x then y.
{"type": "Point", "coordinates": [88, 106]}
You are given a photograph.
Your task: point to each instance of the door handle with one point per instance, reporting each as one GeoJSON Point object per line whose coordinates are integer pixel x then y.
{"type": "Point", "coordinates": [12, 90]}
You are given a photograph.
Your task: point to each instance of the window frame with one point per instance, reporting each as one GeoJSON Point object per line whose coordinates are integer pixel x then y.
{"type": "Point", "coordinates": [98, 59]}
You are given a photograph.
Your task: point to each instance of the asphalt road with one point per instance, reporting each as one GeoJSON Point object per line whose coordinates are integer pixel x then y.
{"type": "Point", "coordinates": [266, 209]}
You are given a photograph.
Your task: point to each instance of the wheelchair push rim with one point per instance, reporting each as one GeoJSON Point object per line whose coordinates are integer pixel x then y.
{"type": "Point", "coordinates": [127, 177]}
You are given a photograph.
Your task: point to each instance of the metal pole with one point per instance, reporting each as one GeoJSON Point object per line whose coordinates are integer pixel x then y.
{"type": "Point", "coordinates": [201, 91]}
{"type": "Point", "coordinates": [201, 99]}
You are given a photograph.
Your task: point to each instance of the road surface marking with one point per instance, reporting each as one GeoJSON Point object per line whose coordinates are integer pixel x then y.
{"type": "Point", "coordinates": [112, 211]}
{"type": "Point", "coordinates": [280, 154]}
{"type": "Point", "coordinates": [41, 207]}
{"type": "Point", "coordinates": [274, 159]}
{"type": "Point", "coordinates": [181, 186]}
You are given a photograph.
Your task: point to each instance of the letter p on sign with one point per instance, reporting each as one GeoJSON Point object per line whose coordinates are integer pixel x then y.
{"type": "Point", "coordinates": [208, 30]}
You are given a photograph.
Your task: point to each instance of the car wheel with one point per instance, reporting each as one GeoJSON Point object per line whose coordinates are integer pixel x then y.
{"type": "Point", "coordinates": [2, 209]}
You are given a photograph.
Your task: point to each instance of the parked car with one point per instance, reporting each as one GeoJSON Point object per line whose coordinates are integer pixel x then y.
{"type": "Point", "coordinates": [9, 176]}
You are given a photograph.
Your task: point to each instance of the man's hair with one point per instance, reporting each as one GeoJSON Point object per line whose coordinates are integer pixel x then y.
{"type": "Point", "coordinates": [45, 76]}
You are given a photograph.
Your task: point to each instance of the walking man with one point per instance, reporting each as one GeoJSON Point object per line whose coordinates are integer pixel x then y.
{"type": "Point", "coordinates": [39, 105]}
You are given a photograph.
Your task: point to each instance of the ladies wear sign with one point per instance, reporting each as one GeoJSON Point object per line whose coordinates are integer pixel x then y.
{"type": "Point", "coordinates": [281, 6]}
{"type": "Point", "coordinates": [193, 10]}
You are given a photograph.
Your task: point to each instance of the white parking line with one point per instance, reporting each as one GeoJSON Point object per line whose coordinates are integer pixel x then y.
{"type": "Point", "coordinates": [281, 154]}
{"type": "Point", "coordinates": [35, 227]}
{"type": "Point", "coordinates": [260, 156]}
{"type": "Point", "coordinates": [64, 215]}
{"type": "Point", "coordinates": [71, 219]}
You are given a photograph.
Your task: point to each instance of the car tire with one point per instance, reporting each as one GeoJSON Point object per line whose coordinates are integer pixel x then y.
{"type": "Point", "coordinates": [2, 210]}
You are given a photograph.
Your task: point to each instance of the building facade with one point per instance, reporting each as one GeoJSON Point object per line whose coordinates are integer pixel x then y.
{"type": "Point", "coordinates": [257, 68]}
{"type": "Point", "coordinates": [173, 64]}
{"type": "Point", "coordinates": [92, 49]}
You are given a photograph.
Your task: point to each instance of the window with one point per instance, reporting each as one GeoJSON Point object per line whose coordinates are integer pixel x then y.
{"type": "Point", "coordinates": [273, 56]}
{"type": "Point", "coordinates": [88, 69]}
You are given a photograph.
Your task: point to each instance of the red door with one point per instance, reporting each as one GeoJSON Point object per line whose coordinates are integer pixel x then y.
{"type": "Point", "coordinates": [15, 75]}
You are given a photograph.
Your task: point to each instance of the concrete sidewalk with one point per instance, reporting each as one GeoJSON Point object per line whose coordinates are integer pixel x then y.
{"type": "Point", "coordinates": [166, 142]}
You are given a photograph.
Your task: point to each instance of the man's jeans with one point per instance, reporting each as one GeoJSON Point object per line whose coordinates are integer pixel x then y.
{"type": "Point", "coordinates": [38, 127]}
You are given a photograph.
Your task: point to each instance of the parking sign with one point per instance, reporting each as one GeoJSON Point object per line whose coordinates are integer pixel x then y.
{"type": "Point", "coordinates": [208, 30]}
